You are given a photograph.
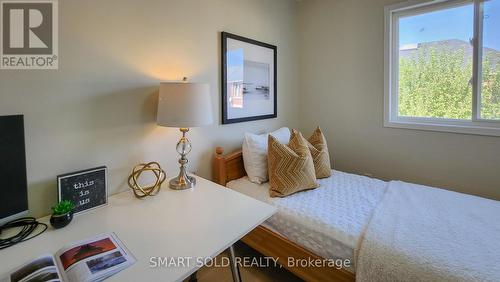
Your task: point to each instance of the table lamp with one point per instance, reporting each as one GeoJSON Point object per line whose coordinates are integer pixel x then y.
{"type": "Point", "coordinates": [184, 105]}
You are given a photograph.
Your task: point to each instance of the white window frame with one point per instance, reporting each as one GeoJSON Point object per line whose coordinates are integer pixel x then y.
{"type": "Point", "coordinates": [476, 125]}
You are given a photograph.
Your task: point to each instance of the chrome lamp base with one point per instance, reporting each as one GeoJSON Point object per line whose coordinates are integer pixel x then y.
{"type": "Point", "coordinates": [183, 181]}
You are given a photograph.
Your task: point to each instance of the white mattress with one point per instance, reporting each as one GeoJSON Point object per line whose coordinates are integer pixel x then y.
{"type": "Point", "coordinates": [330, 220]}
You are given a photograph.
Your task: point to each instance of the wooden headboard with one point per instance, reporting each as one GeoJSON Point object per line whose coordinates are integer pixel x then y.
{"type": "Point", "coordinates": [227, 167]}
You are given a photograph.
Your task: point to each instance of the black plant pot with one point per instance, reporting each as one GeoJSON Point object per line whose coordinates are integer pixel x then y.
{"type": "Point", "coordinates": [61, 220]}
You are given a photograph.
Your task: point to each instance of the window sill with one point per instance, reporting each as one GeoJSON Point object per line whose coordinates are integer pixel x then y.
{"type": "Point", "coordinates": [462, 127]}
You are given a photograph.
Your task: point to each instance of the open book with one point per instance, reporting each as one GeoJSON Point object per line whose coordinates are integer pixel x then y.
{"type": "Point", "coordinates": [93, 259]}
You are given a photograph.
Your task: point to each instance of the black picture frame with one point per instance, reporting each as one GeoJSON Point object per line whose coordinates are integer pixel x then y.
{"type": "Point", "coordinates": [91, 189]}
{"type": "Point", "coordinates": [225, 119]}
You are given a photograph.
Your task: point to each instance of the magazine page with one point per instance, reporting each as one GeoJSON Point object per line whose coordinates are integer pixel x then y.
{"type": "Point", "coordinates": [41, 269]}
{"type": "Point", "coordinates": [93, 259]}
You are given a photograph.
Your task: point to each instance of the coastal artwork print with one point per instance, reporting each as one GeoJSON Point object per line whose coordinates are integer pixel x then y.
{"type": "Point", "coordinates": [248, 79]}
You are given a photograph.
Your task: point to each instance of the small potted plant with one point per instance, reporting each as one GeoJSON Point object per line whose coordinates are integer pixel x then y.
{"type": "Point", "coordinates": [62, 214]}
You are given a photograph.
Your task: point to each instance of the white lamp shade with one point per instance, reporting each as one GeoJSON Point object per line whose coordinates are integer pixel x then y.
{"type": "Point", "coordinates": [184, 105]}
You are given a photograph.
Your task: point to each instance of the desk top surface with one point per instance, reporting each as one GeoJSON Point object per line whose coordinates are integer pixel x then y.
{"type": "Point", "coordinates": [198, 223]}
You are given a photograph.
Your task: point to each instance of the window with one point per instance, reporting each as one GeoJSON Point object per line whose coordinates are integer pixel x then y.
{"type": "Point", "coordinates": [442, 66]}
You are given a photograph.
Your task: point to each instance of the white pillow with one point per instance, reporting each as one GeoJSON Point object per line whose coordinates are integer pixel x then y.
{"type": "Point", "coordinates": [255, 153]}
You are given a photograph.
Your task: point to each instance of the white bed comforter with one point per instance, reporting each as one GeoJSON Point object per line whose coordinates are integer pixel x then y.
{"type": "Point", "coordinates": [419, 233]}
{"type": "Point", "coordinates": [328, 220]}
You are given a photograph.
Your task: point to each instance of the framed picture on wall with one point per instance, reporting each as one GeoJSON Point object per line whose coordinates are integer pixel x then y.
{"type": "Point", "coordinates": [249, 79]}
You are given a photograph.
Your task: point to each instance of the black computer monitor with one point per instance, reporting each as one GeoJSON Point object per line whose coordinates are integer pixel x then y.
{"type": "Point", "coordinates": [13, 182]}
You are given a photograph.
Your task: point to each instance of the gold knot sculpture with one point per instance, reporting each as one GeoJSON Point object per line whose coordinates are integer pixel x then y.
{"type": "Point", "coordinates": [149, 190]}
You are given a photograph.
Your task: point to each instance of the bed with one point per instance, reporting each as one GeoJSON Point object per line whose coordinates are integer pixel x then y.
{"type": "Point", "coordinates": [328, 220]}
{"type": "Point", "coordinates": [392, 230]}
{"type": "Point", "coordinates": [269, 241]}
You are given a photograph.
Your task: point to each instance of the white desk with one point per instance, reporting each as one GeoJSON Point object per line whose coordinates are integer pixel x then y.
{"type": "Point", "coordinates": [201, 222]}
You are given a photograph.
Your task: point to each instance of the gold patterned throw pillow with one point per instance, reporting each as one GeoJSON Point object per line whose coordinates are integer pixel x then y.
{"type": "Point", "coordinates": [319, 151]}
{"type": "Point", "coordinates": [291, 167]}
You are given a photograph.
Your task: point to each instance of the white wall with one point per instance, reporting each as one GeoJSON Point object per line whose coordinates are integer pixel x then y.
{"type": "Point", "coordinates": [342, 79]}
{"type": "Point", "coordinates": [99, 107]}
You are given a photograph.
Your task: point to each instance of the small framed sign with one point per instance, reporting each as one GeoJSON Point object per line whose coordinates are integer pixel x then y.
{"type": "Point", "coordinates": [86, 189]}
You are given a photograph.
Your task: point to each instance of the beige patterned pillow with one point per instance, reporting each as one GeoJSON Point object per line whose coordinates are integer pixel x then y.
{"type": "Point", "coordinates": [291, 167]}
{"type": "Point", "coordinates": [319, 151]}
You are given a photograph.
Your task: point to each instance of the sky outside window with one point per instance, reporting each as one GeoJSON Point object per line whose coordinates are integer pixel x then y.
{"type": "Point", "coordinates": [453, 23]}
